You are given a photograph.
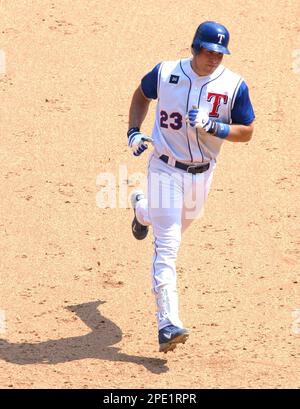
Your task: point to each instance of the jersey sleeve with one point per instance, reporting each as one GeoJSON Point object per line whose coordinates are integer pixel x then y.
{"type": "Point", "coordinates": [242, 112]}
{"type": "Point", "coordinates": [149, 83]}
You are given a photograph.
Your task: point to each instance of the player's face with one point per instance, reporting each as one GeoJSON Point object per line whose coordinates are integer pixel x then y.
{"type": "Point", "coordinates": [206, 62]}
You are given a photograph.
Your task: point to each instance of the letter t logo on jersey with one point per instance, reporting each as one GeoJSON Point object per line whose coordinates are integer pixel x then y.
{"type": "Point", "coordinates": [216, 103]}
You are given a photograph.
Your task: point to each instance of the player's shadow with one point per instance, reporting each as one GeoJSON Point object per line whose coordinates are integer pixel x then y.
{"type": "Point", "coordinates": [97, 344]}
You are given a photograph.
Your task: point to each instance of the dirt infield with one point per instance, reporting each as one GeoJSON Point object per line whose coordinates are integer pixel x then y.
{"type": "Point", "coordinates": [76, 309]}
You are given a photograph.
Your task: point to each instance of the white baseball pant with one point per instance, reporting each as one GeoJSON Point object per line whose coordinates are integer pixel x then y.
{"type": "Point", "coordinates": [175, 199]}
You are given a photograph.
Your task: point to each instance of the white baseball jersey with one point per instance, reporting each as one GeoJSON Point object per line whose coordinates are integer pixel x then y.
{"type": "Point", "coordinates": [179, 89]}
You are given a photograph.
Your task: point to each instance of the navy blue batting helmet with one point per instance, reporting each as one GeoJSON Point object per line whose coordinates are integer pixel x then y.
{"type": "Point", "coordinates": [213, 36]}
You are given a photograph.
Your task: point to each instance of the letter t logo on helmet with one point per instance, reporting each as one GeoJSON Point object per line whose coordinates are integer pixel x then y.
{"type": "Point", "coordinates": [221, 36]}
{"type": "Point", "coordinates": [212, 36]}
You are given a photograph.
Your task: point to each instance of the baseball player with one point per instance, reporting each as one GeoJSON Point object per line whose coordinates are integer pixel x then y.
{"type": "Point", "coordinates": [200, 104]}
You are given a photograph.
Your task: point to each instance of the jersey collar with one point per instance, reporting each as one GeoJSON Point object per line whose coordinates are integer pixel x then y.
{"type": "Point", "coordinates": [187, 67]}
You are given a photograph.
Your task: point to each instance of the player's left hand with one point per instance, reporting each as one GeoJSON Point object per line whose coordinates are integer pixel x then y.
{"type": "Point", "coordinates": [196, 118]}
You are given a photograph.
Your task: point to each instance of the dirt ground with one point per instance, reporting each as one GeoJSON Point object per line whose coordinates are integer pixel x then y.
{"type": "Point", "coordinates": [75, 287]}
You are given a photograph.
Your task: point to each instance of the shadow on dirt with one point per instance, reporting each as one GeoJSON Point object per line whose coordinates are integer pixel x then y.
{"type": "Point", "coordinates": [96, 345]}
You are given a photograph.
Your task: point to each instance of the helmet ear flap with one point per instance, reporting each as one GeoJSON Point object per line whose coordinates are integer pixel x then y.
{"type": "Point", "coordinates": [195, 48]}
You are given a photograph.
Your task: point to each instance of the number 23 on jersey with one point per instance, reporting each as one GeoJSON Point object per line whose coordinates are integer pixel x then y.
{"type": "Point", "coordinates": [173, 120]}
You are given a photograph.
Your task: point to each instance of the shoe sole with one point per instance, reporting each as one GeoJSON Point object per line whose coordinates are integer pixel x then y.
{"type": "Point", "coordinates": [170, 346]}
{"type": "Point", "coordinates": [140, 235]}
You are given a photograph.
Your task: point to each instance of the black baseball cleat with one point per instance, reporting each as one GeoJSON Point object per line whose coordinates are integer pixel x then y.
{"type": "Point", "coordinates": [138, 230]}
{"type": "Point", "coordinates": [170, 336]}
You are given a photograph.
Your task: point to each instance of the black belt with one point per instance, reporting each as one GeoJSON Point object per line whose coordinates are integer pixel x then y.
{"type": "Point", "coordinates": [188, 168]}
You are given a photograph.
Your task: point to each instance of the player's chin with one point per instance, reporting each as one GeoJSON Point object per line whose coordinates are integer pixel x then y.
{"type": "Point", "coordinates": [211, 68]}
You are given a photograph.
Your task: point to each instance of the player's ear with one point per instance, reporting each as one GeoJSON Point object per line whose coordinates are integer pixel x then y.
{"type": "Point", "coordinates": [193, 51]}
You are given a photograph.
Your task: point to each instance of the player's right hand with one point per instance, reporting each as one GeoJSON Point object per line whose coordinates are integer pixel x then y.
{"type": "Point", "coordinates": [136, 141]}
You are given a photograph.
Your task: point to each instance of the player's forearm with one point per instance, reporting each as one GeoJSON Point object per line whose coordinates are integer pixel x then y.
{"type": "Point", "coordinates": [138, 109]}
{"type": "Point", "coordinates": [240, 133]}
